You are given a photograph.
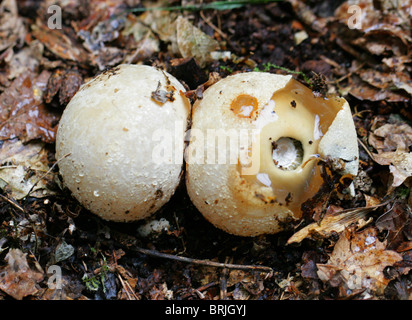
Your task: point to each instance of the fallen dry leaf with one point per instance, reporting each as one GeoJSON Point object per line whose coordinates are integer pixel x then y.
{"type": "Point", "coordinates": [17, 279]}
{"type": "Point", "coordinates": [144, 42]}
{"type": "Point", "coordinates": [60, 44]}
{"type": "Point", "coordinates": [64, 82]}
{"type": "Point", "coordinates": [12, 31]}
{"type": "Point", "coordinates": [27, 59]}
{"type": "Point", "coordinates": [193, 42]}
{"type": "Point", "coordinates": [386, 80]}
{"type": "Point", "coordinates": [391, 137]}
{"type": "Point", "coordinates": [331, 223]}
{"type": "Point", "coordinates": [357, 262]}
{"type": "Point", "coordinates": [400, 165]}
{"type": "Point", "coordinates": [377, 34]}
{"type": "Point", "coordinates": [364, 91]}
{"type": "Point", "coordinates": [23, 169]}
{"type": "Point", "coordinates": [163, 24]}
{"type": "Point", "coordinates": [392, 142]}
{"type": "Point", "coordinates": [396, 222]}
{"type": "Point", "coordinates": [383, 27]}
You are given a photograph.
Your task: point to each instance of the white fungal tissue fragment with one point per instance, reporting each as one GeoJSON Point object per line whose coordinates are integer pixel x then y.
{"type": "Point", "coordinates": [264, 179]}
{"type": "Point", "coordinates": [317, 133]}
{"type": "Point", "coordinates": [246, 111]}
{"type": "Point", "coordinates": [267, 115]}
{"type": "Point", "coordinates": [285, 153]}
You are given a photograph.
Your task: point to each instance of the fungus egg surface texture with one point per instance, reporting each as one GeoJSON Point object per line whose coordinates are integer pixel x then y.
{"type": "Point", "coordinates": [253, 140]}
{"type": "Point", "coordinates": [109, 137]}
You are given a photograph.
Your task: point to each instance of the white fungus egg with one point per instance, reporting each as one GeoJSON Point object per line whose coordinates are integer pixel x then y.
{"type": "Point", "coordinates": [120, 142]}
{"type": "Point", "coordinates": [255, 138]}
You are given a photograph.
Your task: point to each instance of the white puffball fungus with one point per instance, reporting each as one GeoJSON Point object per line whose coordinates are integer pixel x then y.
{"type": "Point", "coordinates": [109, 142]}
{"type": "Point", "coordinates": [287, 128]}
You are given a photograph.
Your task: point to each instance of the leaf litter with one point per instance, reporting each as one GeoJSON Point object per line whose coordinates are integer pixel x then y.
{"type": "Point", "coordinates": [359, 248]}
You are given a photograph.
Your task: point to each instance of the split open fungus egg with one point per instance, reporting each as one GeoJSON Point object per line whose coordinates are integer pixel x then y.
{"type": "Point", "coordinates": [107, 139]}
{"type": "Point", "coordinates": [254, 137]}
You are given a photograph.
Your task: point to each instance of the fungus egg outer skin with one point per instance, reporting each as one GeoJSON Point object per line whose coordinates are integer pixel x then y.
{"type": "Point", "coordinates": [253, 209]}
{"type": "Point", "coordinates": [109, 169]}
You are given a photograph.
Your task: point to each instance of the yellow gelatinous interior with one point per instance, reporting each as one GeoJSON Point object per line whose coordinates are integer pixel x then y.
{"type": "Point", "coordinates": [301, 116]}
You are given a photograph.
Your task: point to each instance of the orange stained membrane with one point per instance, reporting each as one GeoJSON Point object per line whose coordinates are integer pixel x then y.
{"type": "Point", "coordinates": [244, 106]}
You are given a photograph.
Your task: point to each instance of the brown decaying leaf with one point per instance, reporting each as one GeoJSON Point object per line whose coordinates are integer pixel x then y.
{"type": "Point", "coordinates": [22, 113]}
{"type": "Point", "coordinates": [386, 80]}
{"type": "Point", "coordinates": [392, 142]}
{"type": "Point", "coordinates": [364, 91]}
{"type": "Point", "coordinates": [17, 279]}
{"type": "Point", "coordinates": [357, 263]}
{"type": "Point", "coordinates": [59, 43]}
{"type": "Point", "coordinates": [12, 31]}
{"type": "Point", "coordinates": [333, 222]}
{"type": "Point", "coordinates": [27, 59]}
{"type": "Point", "coordinates": [391, 137]}
{"type": "Point", "coordinates": [64, 82]}
{"type": "Point", "coordinates": [397, 223]}
{"type": "Point", "coordinates": [383, 42]}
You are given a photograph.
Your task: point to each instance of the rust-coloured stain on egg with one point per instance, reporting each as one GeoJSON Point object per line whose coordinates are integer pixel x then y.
{"type": "Point", "coordinates": [244, 106]}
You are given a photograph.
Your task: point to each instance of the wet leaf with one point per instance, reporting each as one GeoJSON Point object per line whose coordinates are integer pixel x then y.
{"type": "Point", "coordinates": [22, 113]}
{"type": "Point", "coordinates": [17, 279]}
{"type": "Point", "coordinates": [358, 261]}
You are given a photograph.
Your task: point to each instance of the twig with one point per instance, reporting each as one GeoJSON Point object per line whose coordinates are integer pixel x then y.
{"type": "Point", "coordinates": [307, 16]}
{"type": "Point", "coordinates": [127, 288]}
{"type": "Point", "coordinates": [43, 176]}
{"type": "Point", "coordinates": [223, 283]}
{"type": "Point", "coordinates": [220, 32]}
{"type": "Point", "coordinates": [157, 254]}
{"type": "Point", "coordinates": [366, 149]}
{"type": "Point", "coordinates": [200, 289]}
{"type": "Point", "coordinates": [12, 203]}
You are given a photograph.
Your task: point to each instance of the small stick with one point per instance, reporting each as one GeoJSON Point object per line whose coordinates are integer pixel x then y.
{"type": "Point", "coordinates": [200, 289]}
{"type": "Point", "coordinates": [366, 149]}
{"type": "Point", "coordinates": [43, 176]}
{"type": "Point", "coordinates": [208, 263]}
{"type": "Point", "coordinates": [220, 32]}
{"type": "Point", "coordinates": [12, 203]}
{"type": "Point", "coordinates": [223, 283]}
